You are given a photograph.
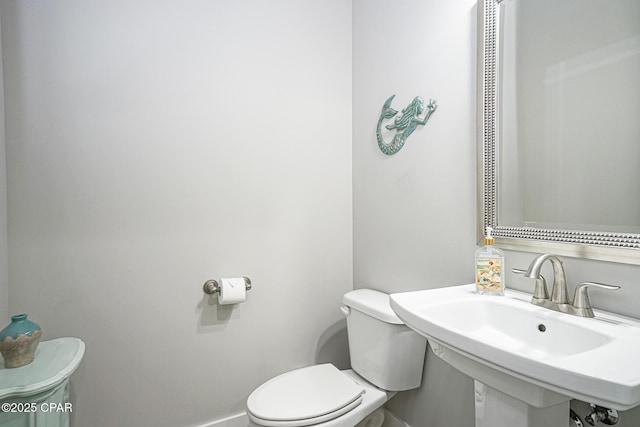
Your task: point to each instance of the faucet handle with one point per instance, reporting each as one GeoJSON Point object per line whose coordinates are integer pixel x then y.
{"type": "Point", "coordinates": [540, 292]}
{"type": "Point", "coordinates": [581, 298]}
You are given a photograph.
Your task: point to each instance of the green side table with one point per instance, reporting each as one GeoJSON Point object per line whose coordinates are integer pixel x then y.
{"type": "Point", "coordinates": [37, 395]}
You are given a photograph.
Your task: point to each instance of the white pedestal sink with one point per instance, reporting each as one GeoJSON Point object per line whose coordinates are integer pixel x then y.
{"type": "Point", "coordinates": [528, 362]}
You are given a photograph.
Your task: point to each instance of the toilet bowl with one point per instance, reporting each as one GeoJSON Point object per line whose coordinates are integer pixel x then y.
{"type": "Point", "coordinates": [386, 357]}
{"type": "Point", "coordinates": [334, 403]}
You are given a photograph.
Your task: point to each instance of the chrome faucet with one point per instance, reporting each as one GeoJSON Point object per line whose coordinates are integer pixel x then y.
{"type": "Point", "coordinates": [559, 300]}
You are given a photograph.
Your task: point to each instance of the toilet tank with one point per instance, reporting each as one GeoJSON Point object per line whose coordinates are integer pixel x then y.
{"type": "Point", "coordinates": [383, 350]}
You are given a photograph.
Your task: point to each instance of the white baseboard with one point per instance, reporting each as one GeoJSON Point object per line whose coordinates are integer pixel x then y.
{"type": "Point", "coordinates": [241, 420]}
{"type": "Point", "coordinates": [238, 420]}
{"type": "Point", "coordinates": [392, 420]}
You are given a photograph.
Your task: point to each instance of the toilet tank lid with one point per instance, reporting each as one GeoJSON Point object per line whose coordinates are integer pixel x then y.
{"type": "Point", "coordinates": [373, 303]}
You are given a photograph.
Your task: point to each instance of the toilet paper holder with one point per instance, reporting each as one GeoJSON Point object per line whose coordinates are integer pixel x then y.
{"type": "Point", "coordinates": [212, 286]}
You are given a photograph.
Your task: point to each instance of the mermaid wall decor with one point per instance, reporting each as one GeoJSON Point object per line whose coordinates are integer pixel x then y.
{"type": "Point", "coordinates": [404, 124]}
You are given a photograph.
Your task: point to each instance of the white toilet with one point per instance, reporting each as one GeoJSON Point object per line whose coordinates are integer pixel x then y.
{"type": "Point", "coordinates": [386, 357]}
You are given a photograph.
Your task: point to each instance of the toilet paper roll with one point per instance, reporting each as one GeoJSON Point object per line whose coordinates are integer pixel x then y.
{"type": "Point", "coordinates": [232, 291]}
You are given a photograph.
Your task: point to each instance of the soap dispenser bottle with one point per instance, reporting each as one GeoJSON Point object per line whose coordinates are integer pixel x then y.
{"type": "Point", "coordinates": [489, 267]}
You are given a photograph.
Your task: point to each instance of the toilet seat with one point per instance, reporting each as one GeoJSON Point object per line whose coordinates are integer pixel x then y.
{"type": "Point", "coordinates": [304, 397]}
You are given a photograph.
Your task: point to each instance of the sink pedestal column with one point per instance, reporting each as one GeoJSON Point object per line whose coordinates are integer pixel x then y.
{"type": "Point", "coordinates": [496, 409]}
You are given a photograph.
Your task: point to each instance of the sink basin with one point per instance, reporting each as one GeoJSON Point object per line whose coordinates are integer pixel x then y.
{"type": "Point", "coordinates": [536, 355]}
{"type": "Point", "coordinates": [515, 329]}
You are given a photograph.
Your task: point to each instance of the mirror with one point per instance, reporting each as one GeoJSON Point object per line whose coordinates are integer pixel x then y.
{"type": "Point", "coordinates": [558, 128]}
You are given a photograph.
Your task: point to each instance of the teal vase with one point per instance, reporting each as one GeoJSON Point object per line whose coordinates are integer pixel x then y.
{"type": "Point", "coordinates": [19, 341]}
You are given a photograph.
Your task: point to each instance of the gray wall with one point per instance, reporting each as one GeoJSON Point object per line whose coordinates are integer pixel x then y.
{"type": "Point", "coordinates": [152, 145]}
{"type": "Point", "coordinates": [414, 212]}
{"type": "Point", "coordinates": [4, 255]}
{"type": "Point", "coordinates": [4, 261]}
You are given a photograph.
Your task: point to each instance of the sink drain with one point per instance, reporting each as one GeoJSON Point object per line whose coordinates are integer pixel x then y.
{"type": "Point", "coordinates": [541, 327]}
